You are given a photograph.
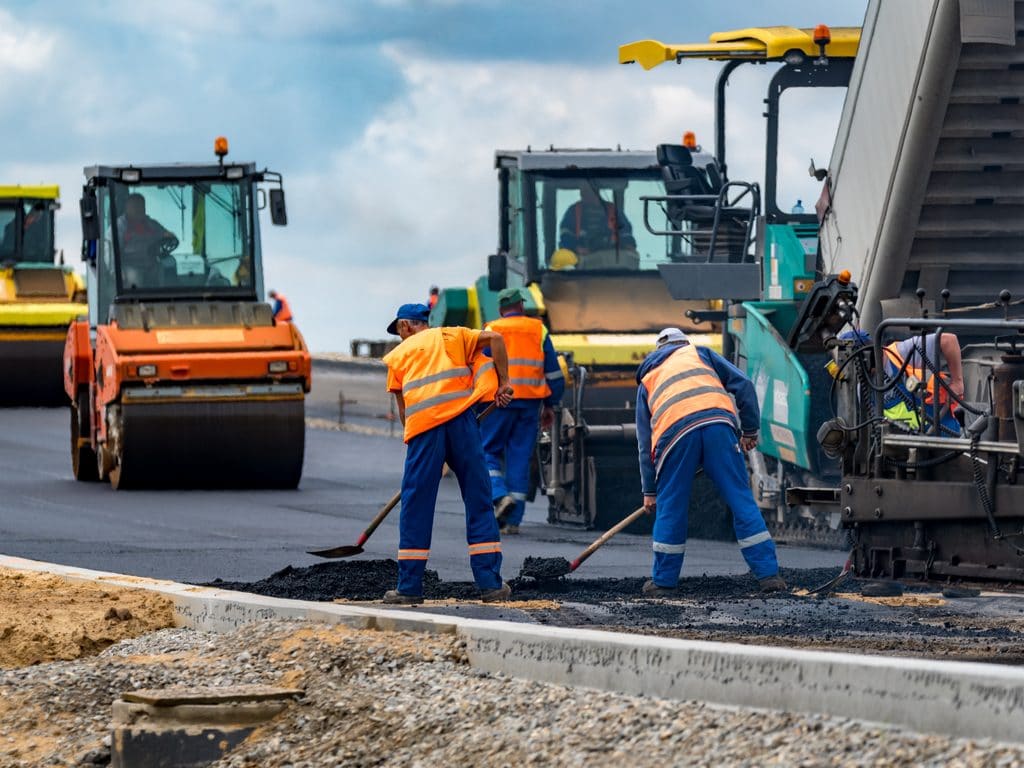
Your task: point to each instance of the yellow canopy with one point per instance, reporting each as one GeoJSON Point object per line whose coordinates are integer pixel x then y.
{"type": "Point", "coordinates": [34, 191]}
{"type": "Point", "coordinates": [754, 43]}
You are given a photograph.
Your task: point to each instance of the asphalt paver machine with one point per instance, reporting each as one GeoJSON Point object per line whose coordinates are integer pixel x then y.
{"type": "Point", "coordinates": [38, 297]}
{"type": "Point", "coordinates": [782, 306]}
{"type": "Point", "coordinates": [181, 376]}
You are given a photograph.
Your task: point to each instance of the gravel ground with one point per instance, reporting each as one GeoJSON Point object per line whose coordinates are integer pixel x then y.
{"type": "Point", "coordinates": [375, 698]}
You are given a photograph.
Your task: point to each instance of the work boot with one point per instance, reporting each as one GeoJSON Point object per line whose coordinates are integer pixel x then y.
{"type": "Point", "coordinates": [772, 584]}
{"type": "Point", "coordinates": [394, 597]}
{"type": "Point", "coordinates": [510, 530]}
{"type": "Point", "coordinates": [502, 593]}
{"type": "Point", "coordinates": [650, 589]}
{"type": "Point", "coordinates": [502, 507]}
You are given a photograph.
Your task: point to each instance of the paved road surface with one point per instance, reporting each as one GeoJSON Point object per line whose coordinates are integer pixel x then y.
{"type": "Point", "coordinates": [246, 535]}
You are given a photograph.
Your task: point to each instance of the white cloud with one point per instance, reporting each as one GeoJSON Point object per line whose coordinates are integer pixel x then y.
{"type": "Point", "coordinates": [24, 48]}
{"type": "Point", "coordinates": [413, 201]}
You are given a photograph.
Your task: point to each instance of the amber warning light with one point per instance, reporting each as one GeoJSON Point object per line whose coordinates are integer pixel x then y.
{"type": "Point", "coordinates": [690, 140]}
{"type": "Point", "coordinates": [220, 146]}
{"type": "Point", "coordinates": [845, 277]}
{"type": "Point", "coordinates": [822, 35]}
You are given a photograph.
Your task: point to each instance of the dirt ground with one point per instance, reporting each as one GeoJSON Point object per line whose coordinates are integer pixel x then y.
{"type": "Point", "coordinates": [47, 618]}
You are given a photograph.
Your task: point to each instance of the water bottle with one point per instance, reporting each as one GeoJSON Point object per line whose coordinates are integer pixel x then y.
{"type": "Point", "coordinates": [799, 207]}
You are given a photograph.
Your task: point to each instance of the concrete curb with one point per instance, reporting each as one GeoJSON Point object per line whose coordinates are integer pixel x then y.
{"type": "Point", "coordinates": [953, 698]}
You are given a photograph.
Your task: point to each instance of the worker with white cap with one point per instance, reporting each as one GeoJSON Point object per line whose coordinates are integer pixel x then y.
{"type": "Point", "coordinates": [696, 409]}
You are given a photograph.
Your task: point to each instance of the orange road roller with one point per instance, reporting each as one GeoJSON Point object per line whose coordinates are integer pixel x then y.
{"type": "Point", "coordinates": [181, 377]}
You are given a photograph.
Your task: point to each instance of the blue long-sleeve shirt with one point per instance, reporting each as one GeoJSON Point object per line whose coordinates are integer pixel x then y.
{"type": "Point", "coordinates": [733, 380]}
{"type": "Point", "coordinates": [552, 373]}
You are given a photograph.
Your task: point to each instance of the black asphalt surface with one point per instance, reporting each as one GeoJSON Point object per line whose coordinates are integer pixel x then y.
{"type": "Point", "coordinates": [199, 536]}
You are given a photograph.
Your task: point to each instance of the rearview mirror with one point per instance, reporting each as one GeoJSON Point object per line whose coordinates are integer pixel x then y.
{"type": "Point", "coordinates": [278, 212]}
{"type": "Point", "coordinates": [90, 215]}
{"type": "Point", "coordinates": [497, 272]}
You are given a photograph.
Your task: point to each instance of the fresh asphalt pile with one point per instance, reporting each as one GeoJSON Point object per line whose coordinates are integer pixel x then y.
{"type": "Point", "coordinates": [920, 622]}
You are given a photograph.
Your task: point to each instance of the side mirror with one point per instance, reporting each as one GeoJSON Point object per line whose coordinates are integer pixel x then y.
{"type": "Point", "coordinates": [497, 272]}
{"type": "Point", "coordinates": [278, 212]}
{"type": "Point", "coordinates": [90, 215]}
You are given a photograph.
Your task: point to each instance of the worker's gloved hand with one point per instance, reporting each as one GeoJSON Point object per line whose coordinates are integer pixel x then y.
{"type": "Point", "coordinates": [503, 396]}
{"type": "Point", "coordinates": [547, 417]}
{"type": "Point", "coordinates": [748, 442]}
{"type": "Point", "coordinates": [650, 503]}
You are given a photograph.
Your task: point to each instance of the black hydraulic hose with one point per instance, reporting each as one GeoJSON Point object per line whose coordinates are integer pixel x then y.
{"type": "Point", "coordinates": [926, 464]}
{"type": "Point", "coordinates": [978, 474]}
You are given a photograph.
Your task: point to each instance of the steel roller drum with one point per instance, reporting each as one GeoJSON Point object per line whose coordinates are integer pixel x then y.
{"type": "Point", "coordinates": [30, 372]}
{"type": "Point", "coordinates": [195, 443]}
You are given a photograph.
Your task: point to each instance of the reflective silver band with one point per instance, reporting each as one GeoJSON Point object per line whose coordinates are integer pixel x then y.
{"type": "Point", "coordinates": [672, 380]}
{"type": "Point", "coordinates": [454, 373]}
{"type": "Point", "coordinates": [518, 496]}
{"type": "Point", "coordinates": [684, 396]}
{"type": "Point", "coordinates": [668, 549]}
{"type": "Point", "coordinates": [757, 538]}
{"type": "Point", "coordinates": [528, 382]}
{"type": "Point", "coordinates": [437, 400]}
{"type": "Point", "coordinates": [553, 375]}
{"type": "Point", "coordinates": [526, 361]}
{"type": "Point", "coordinates": [482, 370]}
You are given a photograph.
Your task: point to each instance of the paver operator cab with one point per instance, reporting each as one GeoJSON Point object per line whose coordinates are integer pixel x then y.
{"type": "Point", "coordinates": [38, 299]}
{"type": "Point", "coordinates": [181, 377]}
{"type": "Point", "coordinates": [570, 232]}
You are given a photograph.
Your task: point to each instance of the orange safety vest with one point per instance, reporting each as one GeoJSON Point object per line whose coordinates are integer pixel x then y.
{"type": "Point", "coordinates": [681, 386]}
{"type": "Point", "coordinates": [524, 340]}
{"type": "Point", "coordinates": [436, 386]}
{"type": "Point", "coordinates": [284, 312]}
{"type": "Point", "coordinates": [923, 375]}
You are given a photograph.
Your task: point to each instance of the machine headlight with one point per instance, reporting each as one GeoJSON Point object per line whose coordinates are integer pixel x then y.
{"type": "Point", "coordinates": [147, 370]}
{"type": "Point", "coordinates": [131, 175]}
{"type": "Point", "coordinates": [235, 172]}
{"type": "Point", "coordinates": [278, 366]}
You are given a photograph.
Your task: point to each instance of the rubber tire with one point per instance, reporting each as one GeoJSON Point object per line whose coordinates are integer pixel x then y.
{"type": "Point", "coordinates": [882, 589]}
{"type": "Point", "coordinates": [83, 457]}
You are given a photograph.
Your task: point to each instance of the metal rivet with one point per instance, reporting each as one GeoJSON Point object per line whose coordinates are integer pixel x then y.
{"type": "Point", "coordinates": [848, 489]}
{"type": "Point", "coordinates": [878, 512]}
{"type": "Point", "coordinates": [848, 512]}
{"type": "Point", "coordinates": [878, 490]}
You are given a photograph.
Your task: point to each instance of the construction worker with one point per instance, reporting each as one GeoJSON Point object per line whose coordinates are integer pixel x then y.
{"type": "Point", "coordinates": [282, 309]}
{"type": "Point", "coordinates": [912, 386]}
{"type": "Point", "coordinates": [511, 434]}
{"type": "Point", "coordinates": [437, 375]}
{"type": "Point", "coordinates": [435, 294]}
{"type": "Point", "coordinates": [594, 224]}
{"type": "Point", "coordinates": [685, 419]}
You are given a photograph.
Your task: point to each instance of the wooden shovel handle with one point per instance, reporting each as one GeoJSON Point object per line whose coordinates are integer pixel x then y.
{"type": "Point", "coordinates": [603, 539]}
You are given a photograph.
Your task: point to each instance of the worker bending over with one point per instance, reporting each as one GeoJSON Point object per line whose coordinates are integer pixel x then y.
{"type": "Point", "coordinates": [511, 434]}
{"type": "Point", "coordinates": [282, 309]}
{"type": "Point", "coordinates": [437, 375]}
{"type": "Point", "coordinates": [686, 419]}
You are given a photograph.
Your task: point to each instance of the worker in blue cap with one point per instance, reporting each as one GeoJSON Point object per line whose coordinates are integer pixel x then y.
{"type": "Point", "coordinates": [437, 375]}
{"type": "Point", "coordinates": [510, 435]}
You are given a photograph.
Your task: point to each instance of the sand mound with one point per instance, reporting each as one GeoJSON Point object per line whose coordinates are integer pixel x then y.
{"type": "Point", "coordinates": [46, 618]}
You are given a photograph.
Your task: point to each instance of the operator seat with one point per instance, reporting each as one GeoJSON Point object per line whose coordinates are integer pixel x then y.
{"type": "Point", "coordinates": [695, 219]}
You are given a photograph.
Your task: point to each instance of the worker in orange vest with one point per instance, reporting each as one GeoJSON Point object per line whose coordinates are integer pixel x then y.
{"type": "Point", "coordinates": [511, 434]}
{"type": "Point", "coordinates": [594, 224]}
{"type": "Point", "coordinates": [282, 310]}
{"type": "Point", "coordinates": [437, 375]}
{"type": "Point", "coordinates": [686, 417]}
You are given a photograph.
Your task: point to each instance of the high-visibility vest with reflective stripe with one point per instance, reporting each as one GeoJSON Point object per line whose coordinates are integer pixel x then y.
{"type": "Point", "coordinates": [680, 387]}
{"type": "Point", "coordinates": [435, 387]}
{"type": "Point", "coordinates": [897, 410]}
{"type": "Point", "coordinates": [524, 341]}
{"type": "Point", "coordinates": [284, 311]}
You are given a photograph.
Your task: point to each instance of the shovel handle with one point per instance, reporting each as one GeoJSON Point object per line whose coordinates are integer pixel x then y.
{"type": "Point", "coordinates": [603, 539]}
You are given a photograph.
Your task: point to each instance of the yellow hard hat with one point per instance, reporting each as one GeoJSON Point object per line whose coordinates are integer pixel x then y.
{"type": "Point", "coordinates": [563, 258]}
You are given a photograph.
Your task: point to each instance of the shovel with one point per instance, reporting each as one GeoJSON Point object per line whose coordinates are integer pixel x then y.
{"type": "Point", "coordinates": [351, 550]}
{"type": "Point", "coordinates": [831, 584]}
{"type": "Point", "coordinates": [547, 568]}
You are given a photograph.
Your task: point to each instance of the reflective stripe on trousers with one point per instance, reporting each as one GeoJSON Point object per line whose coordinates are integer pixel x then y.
{"type": "Point", "coordinates": [509, 436]}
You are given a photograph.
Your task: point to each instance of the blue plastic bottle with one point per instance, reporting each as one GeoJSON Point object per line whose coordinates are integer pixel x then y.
{"type": "Point", "coordinates": [799, 207]}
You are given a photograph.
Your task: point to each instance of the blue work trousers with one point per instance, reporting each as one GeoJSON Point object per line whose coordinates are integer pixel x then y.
{"type": "Point", "coordinates": [716, 448]}
{"type": "Point", "coordinates": [510, 435]}
{"type": "Point", "coordinates": [456, 442]}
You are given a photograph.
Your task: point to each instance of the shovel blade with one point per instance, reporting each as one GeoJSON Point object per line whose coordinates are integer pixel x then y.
{"type": "Point", "coordinates": [336, 552]}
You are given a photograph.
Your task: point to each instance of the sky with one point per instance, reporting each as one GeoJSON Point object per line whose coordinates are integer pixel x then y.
{"type": "Point", "coordinates": [382, 115]}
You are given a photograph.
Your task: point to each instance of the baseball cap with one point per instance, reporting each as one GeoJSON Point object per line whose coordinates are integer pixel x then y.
{"type": "Point", "coordinates": [419, 312]}
{"type": "Point", "coordinates": [510, 296]}
{"type": "Point", "coordinates": [671, 336]}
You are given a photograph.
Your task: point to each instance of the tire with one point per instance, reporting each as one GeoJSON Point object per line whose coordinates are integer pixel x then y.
{"type": "Point", "coordinates": [83, 457]}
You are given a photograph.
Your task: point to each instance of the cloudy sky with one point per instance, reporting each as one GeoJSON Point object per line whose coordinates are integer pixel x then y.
{"type": "Point", "coordinates": [382, 115]}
